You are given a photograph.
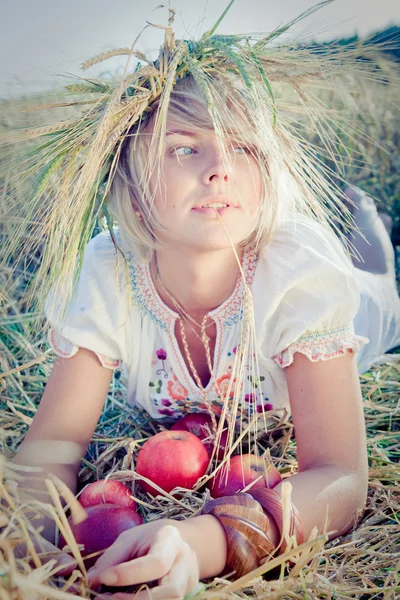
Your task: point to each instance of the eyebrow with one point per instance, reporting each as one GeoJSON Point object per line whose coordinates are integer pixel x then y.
{"type": "Point", "coordinates": [180, 132]}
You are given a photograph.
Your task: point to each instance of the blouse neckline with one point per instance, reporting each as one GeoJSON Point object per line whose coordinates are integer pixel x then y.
{"type": "Point", "coordinates": [149, 301]}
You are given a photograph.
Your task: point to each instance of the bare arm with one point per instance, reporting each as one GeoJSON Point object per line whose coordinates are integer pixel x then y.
{"type": "Point", "coordinates": [328, 419]}
{"type": "Point", "coordinates": [332, 482]}
{"type": "Point", "coordinates": [68, 412]}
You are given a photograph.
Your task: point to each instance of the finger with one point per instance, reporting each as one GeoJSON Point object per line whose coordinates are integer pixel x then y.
{"type": "Point", "coordinates": [121, 551]}
{"type": "Point", "coordinates": [183, 575]}
{"type": "Point", "coordinates": [181, 579]}
{"type": "Point", "coordinates": [167, 591]}
{"type": "Point", "coordinates": [156, 593]}
{"type": "Point", "coordinates": [155, 565]}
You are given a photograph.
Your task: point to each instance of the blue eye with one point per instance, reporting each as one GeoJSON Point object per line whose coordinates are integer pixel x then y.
{"type": "Point", "coordinates": [183, 150]}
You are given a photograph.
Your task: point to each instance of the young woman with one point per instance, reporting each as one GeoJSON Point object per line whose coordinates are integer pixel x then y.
{"type": "Point", "coordinates": [225, 294]}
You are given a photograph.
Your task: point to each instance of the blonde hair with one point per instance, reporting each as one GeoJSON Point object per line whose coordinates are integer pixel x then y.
{"type": "Point", "coordinates": [233, 112]}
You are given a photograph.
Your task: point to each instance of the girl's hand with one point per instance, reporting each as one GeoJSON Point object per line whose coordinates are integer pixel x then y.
{"type": "Point", "coordinates": [154, 551]}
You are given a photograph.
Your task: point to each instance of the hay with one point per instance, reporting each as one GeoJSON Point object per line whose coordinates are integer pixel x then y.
{"type": "Point", "coordinates": [362, 564]}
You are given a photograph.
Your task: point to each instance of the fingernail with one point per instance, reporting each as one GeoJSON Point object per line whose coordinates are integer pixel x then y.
{"type": "Point", "coordinates": [109, 578]}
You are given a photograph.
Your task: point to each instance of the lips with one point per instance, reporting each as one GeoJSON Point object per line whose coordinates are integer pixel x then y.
{"type": "Point", "coordinates": [215, 202]}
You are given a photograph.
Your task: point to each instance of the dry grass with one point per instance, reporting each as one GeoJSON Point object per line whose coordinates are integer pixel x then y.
{"type": "Point", "coordinates": [363, 564]}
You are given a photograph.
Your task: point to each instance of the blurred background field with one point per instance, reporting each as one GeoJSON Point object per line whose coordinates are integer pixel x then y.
{"type": "Point", "coordinates": [364, 564]}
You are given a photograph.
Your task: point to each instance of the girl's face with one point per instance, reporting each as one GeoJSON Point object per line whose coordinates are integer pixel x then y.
{"type": "Point", "coordinates": [194, 184]}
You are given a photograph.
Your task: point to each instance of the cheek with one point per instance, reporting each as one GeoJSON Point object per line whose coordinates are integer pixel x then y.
{"type": "Point", "coordinates": [254, 185]}
{"type": "Point", "coordinates": [163, 188]}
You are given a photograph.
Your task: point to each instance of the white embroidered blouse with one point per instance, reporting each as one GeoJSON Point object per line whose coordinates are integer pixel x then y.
{"type": "Point", "coordinates": [305, 294]}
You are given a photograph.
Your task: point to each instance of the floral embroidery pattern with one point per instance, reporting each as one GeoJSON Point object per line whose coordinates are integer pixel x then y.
{"type": "Point", "coordinates": [156, 385]}
{"type": "Point", "coordinates": [264, 408]}
{"type": "Point", "coordinates": [228, 366]}
{"type": "Point", "coordinates": [256, 405]}
{"type": "Point", "coordinates": [171, 398]}
{"type": "Point", "coordinates": [176, 389]}
{"type": "Point", "coordinates": [256, 381]}
{"type": "Point", "coordinates": [162, 355]}
{"type": "Point", "coordinates": [223, 384]}
{"type": "Point", "coordinates": [167, 412]}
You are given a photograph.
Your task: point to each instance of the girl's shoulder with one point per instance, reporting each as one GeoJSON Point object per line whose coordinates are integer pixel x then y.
{"type": "Point", "coordinates": [306, 293]}
{"type": "Point", "coordinates": [106, 257]}
{"type": "Point", "coordinates": [305, 265]}
{"type": "Point", "coordinates": [300, 244]}
{"type": "Point", "coordinates": [95, 315]}
{"type": "Point", "coordinates": [101, 279]}
{"type": "Point", "coordinates": [101, 249]}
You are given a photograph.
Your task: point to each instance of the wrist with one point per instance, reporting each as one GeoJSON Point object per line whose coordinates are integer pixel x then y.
{"type": "Point", "coordinates": [198, 532]}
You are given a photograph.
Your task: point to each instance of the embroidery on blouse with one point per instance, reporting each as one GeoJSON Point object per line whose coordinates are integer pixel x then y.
{"type": "Point", "coordinates": [145, 295]}
{"type": "Point", "coordinates": [176, 390]}
{"type": "Point", "coordinates": [162, 356]}
{"type": "Point", "coordinates": [169, 395]}
{"type": "Point", "coordinates": [224, 382]}
{"type": "Point", "coordinates": [156, 384]}
{"type": "Point", "coordinates": [231, 311]}
{"type": "Point", "coordinates": [253, 405]}
{"type": "Point", "coordinates": [322, 344]}
{"type": "Point", "coordinates": [149, 301]}
{"type": "Point", "coordinates": [55, 340]}
{"type": "Point", "coordinates": [172, 399]}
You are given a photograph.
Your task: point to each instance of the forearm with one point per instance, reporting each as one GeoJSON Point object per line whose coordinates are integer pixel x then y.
{"type": "Point", "coordinates": [33, 484]}
{"type": "Point", "coordinates": [328, 497]}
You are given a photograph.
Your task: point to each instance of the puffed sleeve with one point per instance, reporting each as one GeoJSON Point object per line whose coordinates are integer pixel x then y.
{"type": "Point", "coordinates": [311, 295]}
{"type": "Point", "coordinates": [97, 316]}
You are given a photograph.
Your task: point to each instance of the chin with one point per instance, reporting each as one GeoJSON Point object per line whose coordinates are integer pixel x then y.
{"type": "Point", "coordinates": [221, 241]}
{"type": "Point", "coordinates": [214, 245]}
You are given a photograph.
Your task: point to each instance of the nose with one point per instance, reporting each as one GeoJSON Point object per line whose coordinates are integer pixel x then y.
{"type": "Point", "coordinates": [216, 168]}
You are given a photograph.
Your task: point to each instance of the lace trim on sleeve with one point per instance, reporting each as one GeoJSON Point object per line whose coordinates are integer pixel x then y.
{"type": "Point", "coordinates": [64, 348]}
{"type": "Point", "coordinates": [322, 345]}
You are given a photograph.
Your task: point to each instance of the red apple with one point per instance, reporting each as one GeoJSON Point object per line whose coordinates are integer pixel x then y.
{"type": "Point", "coordinates": [172, 459]}
{"type": "Point", "coordinates": [104, 523]}
{"type": "Point", "coordinates": [107, 492]}
{"type": "Point", "coordinates": [200, 424]}
{"type": "Point", "coordinates": [243, 469]}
